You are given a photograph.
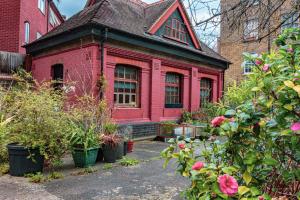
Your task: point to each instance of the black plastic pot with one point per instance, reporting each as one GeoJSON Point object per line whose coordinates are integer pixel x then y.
{"type": "Point", "coordinates": [120, 152]}
{"type": "Point", "coordinates": [125, 148]}
{"type": "Point", "coordinates": [23, 160]}
{"type": "Point", "coordinates": [110, 153]}
{"type": "Point", "coordinates": [100, 155]}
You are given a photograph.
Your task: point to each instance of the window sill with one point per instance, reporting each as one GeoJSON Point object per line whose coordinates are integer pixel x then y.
{"type": "Point", "coordinates": [126, 107]}
{"type": "Point", "coordinates": [250, 39]}
{"type": "Point", "coordinates": [175, 39]}
{"type": "Point", "coordinates": [173, 106]}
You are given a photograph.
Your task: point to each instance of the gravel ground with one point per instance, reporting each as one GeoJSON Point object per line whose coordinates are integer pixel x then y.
{"type": "Point", "coordinates": [146, 181]}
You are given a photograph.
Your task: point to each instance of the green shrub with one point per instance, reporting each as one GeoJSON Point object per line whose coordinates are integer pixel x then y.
{"type": "Point", "coordinates": [127, 161]}
{"type": "Point", "coordinates": [4, 168]}
{"type": "Point", "coordinates": [38, 119]}
{"type": "Point", "coordinates": [261, 154]}
{"type": "Point", "coordinates": [107, 166]}
{"type": "Point", "coordinates": [36, 178]}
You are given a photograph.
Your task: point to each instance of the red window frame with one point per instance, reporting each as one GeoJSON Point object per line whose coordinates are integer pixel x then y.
{"type": "Point", "coordinates": [129, 78]}
{"type": "Point", "coordinates": [175, 30]}
{"type": "Point", "coordinates": [173, 90]}
{"type": "Point", "coordinates": [206, 91]}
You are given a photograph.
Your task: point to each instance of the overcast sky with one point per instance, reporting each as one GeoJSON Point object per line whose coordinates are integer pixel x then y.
{"type": "Point", "coordinates": [70, 7]}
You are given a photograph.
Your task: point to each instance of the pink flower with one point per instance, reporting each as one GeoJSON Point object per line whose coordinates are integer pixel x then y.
{"type": "Point", "coordinates": [266, 67]}
{"type": "Point", "coordinates": [217, 121]}
{"type": "Point", "coordinates": [198, 166]}
{"type": "Point", "coordinates": [181, 145]}
{"type": "Point", "coordinates": [258, 62]}
{"type": "Point", "coordinates": [290, 50]}
{"type": "Point", "coordinates": [228, 185]}
{"type": "Point", "coordinates": [295, 126]}
{"type": "Point", "coordinates": [261, 198]}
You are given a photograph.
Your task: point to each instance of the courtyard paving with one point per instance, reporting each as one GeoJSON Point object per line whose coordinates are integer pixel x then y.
{"type": "Point", "coordinates": [146, 181]}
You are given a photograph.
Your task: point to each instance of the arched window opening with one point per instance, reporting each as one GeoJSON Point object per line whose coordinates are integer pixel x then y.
{"type": "Point", "coordinates": [126, 86]}
{"type": "Point", "coordinates": [206, 91]}
{"type": "Point", "coordinates": [173, 97]}
{"type": "Point", "coordinates": [57, 72]}
{"type": "Point", "coordinates": [26, 32]}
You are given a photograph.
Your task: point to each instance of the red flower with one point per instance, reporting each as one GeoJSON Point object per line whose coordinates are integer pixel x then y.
{"type": "Point", "coordinates": [290, 50]}
{"type": "Point", "coordinates": [181, 145]}
{"type": "Point", "coordinates": [258, 62]}
{"type": "Point", "coordinates": [198, 166]}
{"type": "Point", "coordinates": [217, 121]}
{"type": "Point", "coordinates": [266, 67]}
{"type": "Point", "coordinates": [295, 126]}
{"type": "Point", "coordinates": [228, 185]}
{"type": "Point", "coordinates": [261, 198]}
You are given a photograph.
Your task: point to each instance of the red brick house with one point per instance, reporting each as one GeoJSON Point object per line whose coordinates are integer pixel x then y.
{"type": "Point", "coordinates": [153, 62]}
{"type": "Point", "coordinates": [23, 21]}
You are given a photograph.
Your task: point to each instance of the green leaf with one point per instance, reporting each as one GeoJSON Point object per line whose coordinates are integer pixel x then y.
{"type": "Point", "coordinates": [243, 190]}
{"type": "Point", "coordinates": [250, 158]}
{"type": "Point", "coordinates": [289, 84]}
{"type": "Point", "coordinates": [229, 113]}
{"type": "Point", "coordinates": [247, 177]}
{"type": "Point", "coordinates": [256, 89]}
{"type": "Point", "coordinates": [229, 170]}
{"type": "Point", "coordinates": [255, 191]}
{"type": "Point", "coordinates": [297, 89]}
{"type": "Point", "coordinates": [288, 107]}
{"type": "Point", "coordinates": [270, 161]}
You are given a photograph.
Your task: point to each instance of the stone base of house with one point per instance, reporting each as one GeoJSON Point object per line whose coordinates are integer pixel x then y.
{"type": "Point", "coordinates": [141, 130]}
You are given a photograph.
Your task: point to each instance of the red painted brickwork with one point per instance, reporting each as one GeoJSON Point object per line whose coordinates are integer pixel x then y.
{"type": "Point", "coordinates": [13, 15]}
{"type": "Point", "coordinates": [82, 66]}
{"type": "Point", "coordinates": [9, 25]}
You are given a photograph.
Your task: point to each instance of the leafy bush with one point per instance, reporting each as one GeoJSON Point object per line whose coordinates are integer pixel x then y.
{"type": "Point", "coordinates": [127, 161]}
{"type": "Point", "coordinates": [261, 156]}
{"type": "Point", "coordinates": [38, 119]}
{"type": "Point", "coordinates": [107, 166]}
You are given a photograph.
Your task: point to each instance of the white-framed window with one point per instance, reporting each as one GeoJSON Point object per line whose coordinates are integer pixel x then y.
{"type": "Point", "coordinates": [53, 20]}
{"type": "Point", "coordinates": [27, 32]}
{"type": "Point", "coordinates": [38, 35]}
{"type": "Point", "coordinates": [42, 5]}
{"type": "Point", "coordinates": [289, 20]}
{"type": "Point", "coordinates": [248, 65]}
{"type": "Point", "coordinates": [251, 29]}
{"type": "Point", "coordinates": [252, 2]}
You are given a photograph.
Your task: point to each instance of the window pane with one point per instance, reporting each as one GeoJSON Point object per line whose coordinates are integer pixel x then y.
{"type": "Point", "coordinates": [126, 85]}
{"type": "Point", "coordinates": [205, 91]}
{"type": "Point", "coordinates": [172, 89]}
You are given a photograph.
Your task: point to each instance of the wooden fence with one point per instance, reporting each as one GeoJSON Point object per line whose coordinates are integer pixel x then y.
{"type": "Point", "coordinates": [10, 61]}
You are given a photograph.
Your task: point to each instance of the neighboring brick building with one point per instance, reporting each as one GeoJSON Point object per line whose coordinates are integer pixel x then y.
{"type": "Point", "coordinates": [233, 43]}
{"type": "Point", "coordinates": [154, 64]}
{"type": "Point", "coordinates": [23, 21]}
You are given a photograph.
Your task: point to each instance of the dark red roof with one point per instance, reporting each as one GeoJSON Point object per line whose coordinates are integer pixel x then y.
{"type": "Point", "coordinates": [130, 16]}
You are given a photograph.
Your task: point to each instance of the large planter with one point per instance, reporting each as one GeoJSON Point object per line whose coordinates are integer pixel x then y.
{"type": "Point", "coordinates": [120, 152]}
{"type": "Point", "coordinates": [23, 160]}
{"type": "Point", "coordinates": [125, 148]}
{"type": "Point", "coordinates": [129, 146]}
{"type": "Point", "coordinates": [100, 156]}
{"type": "Point", "coordinates": [84, 158]}
{"type": "Point", "coordinates": [110, 153]}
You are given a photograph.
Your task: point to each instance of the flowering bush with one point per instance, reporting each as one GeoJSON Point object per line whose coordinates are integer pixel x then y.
{"type": "Point", "coordinates": [260, 157]}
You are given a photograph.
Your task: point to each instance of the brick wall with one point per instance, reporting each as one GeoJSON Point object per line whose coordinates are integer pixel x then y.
{"type": "Point", "coordinates": [13, 15]}
{"type": "Point", "coordinates": [232, 45]}
{"type": "Point", "coordinates": [9, 25]}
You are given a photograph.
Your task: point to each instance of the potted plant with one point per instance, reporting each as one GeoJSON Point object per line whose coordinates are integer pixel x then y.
{"type": "Point", "coordinates": [110, 147]}
{"type": "Point", "coordinates": [84, 145]}
{"type": "Point", "coordinates": [38, 127]}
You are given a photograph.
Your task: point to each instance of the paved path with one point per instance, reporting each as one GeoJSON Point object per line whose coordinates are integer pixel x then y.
{"type": "Point", "coordinates": [146, 181]}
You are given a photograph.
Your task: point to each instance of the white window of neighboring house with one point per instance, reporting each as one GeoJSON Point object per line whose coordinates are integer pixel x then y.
{"type": "Point", "coordinates": [251, 29]}
{"type": "Point", "coordinates": [42, 5]}
{"type": "Point", "coordinates": [248, 65]}
{"type": "Point", "coordinates": [289, 20]}
{"type": "Point", "coordinates": [38, 35]}
{"type": "Point", "coordinates": [53, 19]}
{"type": "Point", "coordinates": [27, 32]}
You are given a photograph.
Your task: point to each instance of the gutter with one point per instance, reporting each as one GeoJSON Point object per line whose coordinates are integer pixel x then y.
{"type": "Point", "coordinates": [102, 41]}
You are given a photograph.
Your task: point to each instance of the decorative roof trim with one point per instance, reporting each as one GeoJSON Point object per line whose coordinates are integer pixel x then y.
{"type": "Point", "coordinates": [57, 12]}
{"type": "Point", "coordinates": [162, 19]}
